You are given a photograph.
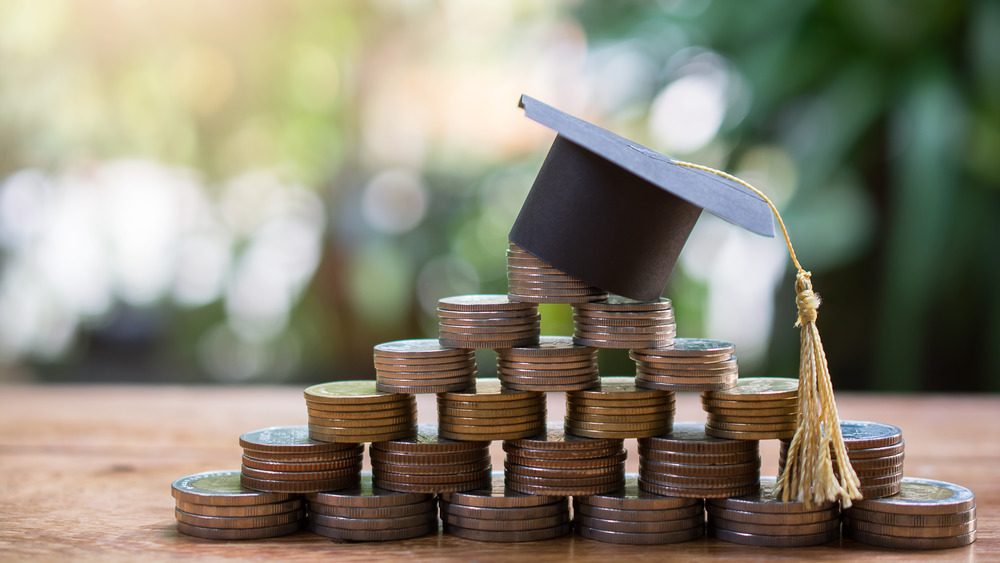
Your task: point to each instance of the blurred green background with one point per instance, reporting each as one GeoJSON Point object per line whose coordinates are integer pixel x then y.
{"type": "Point", "coordinates": [259, 191]}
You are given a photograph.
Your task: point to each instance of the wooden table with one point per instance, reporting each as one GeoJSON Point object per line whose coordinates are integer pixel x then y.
{"type": "Point", "coordinates": [85, 474]}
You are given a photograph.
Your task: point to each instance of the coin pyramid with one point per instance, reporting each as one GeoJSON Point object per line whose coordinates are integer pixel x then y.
{"type": "Point", "coordinates": [695, 477]}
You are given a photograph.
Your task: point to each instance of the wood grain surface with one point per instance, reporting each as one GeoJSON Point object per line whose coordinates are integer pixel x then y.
{"type": "Point", "coordinates": [85, 474]}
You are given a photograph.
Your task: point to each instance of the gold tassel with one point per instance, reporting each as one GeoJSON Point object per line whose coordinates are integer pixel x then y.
{"type": "Point", "coordinates": [817, 446]}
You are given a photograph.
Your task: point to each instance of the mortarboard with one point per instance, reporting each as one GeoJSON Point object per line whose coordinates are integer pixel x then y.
{"type": "Point", "coordinates": [615, 213]}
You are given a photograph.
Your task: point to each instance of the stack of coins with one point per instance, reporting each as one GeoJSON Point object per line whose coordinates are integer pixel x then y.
{"type": "Point", "coordinates": [428, 463]}
{"type": "Point", "coordinates": [423, 366]}
{"type": "Point", "coordinates": [763, 520]}
{"type": "Point", "coordinates": [489, 412]}
{"type": "Point", "coordinates": [875, 451]}
{"type": "Point", "coordinates": [756, 408]}
{"type": "Point", "coordinates": [618, 409]}
{"type": "Point", "coordinates": [498, 514]}
{"type": "Point", "coordinates": [925, 514]}
{"type": "Point", "coordinates": [690, 463]}
{"type": "Point", "coordinates": [619, 322]}
{"type": "Point", "coordinates": [555, 364]}
{"type": "Point", "coordinates": [284, 459]}
{"type": "Point", "coordinates": [367, 513]}
{"type": "Point", "coordinates": [355, 412]}
{"type": "Point", "coordinates": [213, 505]}
{"type": "Point", "coordinates": [690, 364]}
{"type": "Point", "coordinates": [487, 321]}
{"type": "Point", "coordinates": [633, 516]}
{"type": "Point", "coordinates": [558, 464]}
{"type": "Point", "coordinates": [533, 280]}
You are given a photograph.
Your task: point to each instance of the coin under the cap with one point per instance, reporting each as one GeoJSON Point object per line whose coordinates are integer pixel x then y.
{"type": "Point", "coordinates": [764, 500]}
{"type": "Point", "coordinates": [221, 488]}
{"type": "Point", "coordinates": [774, 519]}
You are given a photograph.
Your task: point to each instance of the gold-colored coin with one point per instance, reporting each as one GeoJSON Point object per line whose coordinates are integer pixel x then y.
{"type": "Point", "coordinates": [254, 510]}
{"type": "Point", "coordinates": [748, 427]}
{"type": "Point", "coordinates": [350, 392]}
{"type": "Point", "coordinates": [748, 435]}
{"type": "Point", "coordinates": [622, 419]}
{"type": "Point", "coordinates": [489, 391]}
{"type": "Point", "coordinates": [239, 534]}
{"type": "Point", "coordinates": [704, 471]}
{"type": "Point", "coordinates": [760, 389]}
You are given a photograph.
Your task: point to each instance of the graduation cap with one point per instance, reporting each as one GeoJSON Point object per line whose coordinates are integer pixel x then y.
{"type": "Point", "coordinates": [615, 213]}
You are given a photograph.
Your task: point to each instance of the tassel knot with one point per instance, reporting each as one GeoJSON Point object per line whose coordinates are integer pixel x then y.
{"type": "Point", "coordinates": [806, 300]}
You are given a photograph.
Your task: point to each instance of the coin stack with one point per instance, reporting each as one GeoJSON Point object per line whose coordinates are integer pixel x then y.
{"type": "Point", "coordinates": [489, 412]}
{"type": "Point", "coordinates": [756, 408]}
{"type": "Point", "coordinates": [355, 412]}
{"type": "Point", "coordinates": [689, 463]}
{"type": "Point", "coordinates": [690, 364]}
{"type": "Point", "coordinates": [285, 459]}
{"type": "Point", "coordinates": [761, 519]}
{"type": "Point", "coordinates": [423, 366]}
{"type": "Point", "coordinates": [876, 454]}
{"type": "Point", "coordinates": [618, 409]}
{"type": "Point", "coordinates": [924, 514]}
{"type": "Point", "coordinates": [559, 464]}
{"type": "Point", "coordinates": [619, 322]}
{"type": "Point", "coordinates": [555, 364]}
{"type": "Point", "coordinates": [531, 279]}
{"type": "Point", "coordinates": [428, 463]}
{"type": "Point", "coordinates": [487, 321]}
{"type": "Point", "coordinates": [213, 505]}
{"type": "Point", "coordinates": [498, 514]}
{"type": "Point", "coordinates": [368, 513]}
{"type": "Point", "coordinates": [633, 516]}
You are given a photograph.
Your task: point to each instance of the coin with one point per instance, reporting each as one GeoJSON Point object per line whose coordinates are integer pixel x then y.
{"type": "Point", "coordinates": [723, 481]}
{"type": "Point", "coordinates": [751, 408]}
{"type": "Point", "coordinates": [287, 439]}
{"type": "Point", "coordinates": [687, 470]}
{"type": "Point", "coordinates": [764, 500]}
{"type": "Point", "coordinates": [620, 342]}
{"type": "Point", "coordinates": [726, 383]}
{"type": "Point", "coordinates": [682, 381]}
{"type": "Point", "coordinates": [879, 492]}
{"type": "Point", "coordinates": [491, 513]}
{"type": "Point", "coordinates": [783, 419]}
{"type": "Point", "coordinates": [541, 454]}
{"type": "Point", "coordinates": [486, 316]}
{"type": "Point", "coordinates": [617, 389]}
{"type": "Point", "coordinates": [859, 434]}
{"type": "Point", "coordinates": [877, 463]}
{"type": "Point", "coordinates": [923, 496]}
{"type": "Point", "coordinates": [662, 426]}
{"type": "Point", "coordinates": [526, 276]}
{"type": "Point", "coordinates": [428, 441]}
{"type": "Point", "coordinates": [748, 426]}
{"type": "Point", "coordinates": [350, 425]}
{"type": "Point", "coordinates": [497, 495]}
{"type": "Point", "coordinates": [221, 488]}
{"type": "Point", "coordinates": [772, 530]}
{"type": "Point", "coordinates": [423, 389]}
{"type": "Point", "coordinates": [299, 486]}
{"type": "Point", "coordinates": [749, 435]}
{"type": "Point", "coordinates": [477, 303]}
{"type": "Point", "coordinates": [372, 524]}
{"type": "Point", "coordinates": [707, 493]}
{"type": "Point", "coordinates": [423, 348]}
{"type": "Point", "coordinates": [365, 495]}
{"type": "Point", "coordinates": [378, 434]}
{"type": "Point", "coordinates": [438, 488]}
{"type": "Point", "coordinates": [484, 344]}
{"type": "Point", "coordinates": [405, 377]}
{"type": "Point", "coordinates": [612, 331]}
{"type": "Point", "coordinates": [909, 543]}
{"type": "Point", "coordinates": [433, 460]}
{"type": "Point", "coordinates": [392, 363]}
{"type": "Point", "coordinates": [563, 473]}
{"type": "Point", "coordinates": [759, 389]}
{"type": "Point", "coordinates": [461, 433]}
{"type": "Point", "coordinates": [563, 490]}
{"type": "Point", "coordinates": [248, 534]}
{"type": "Point", "coordinates": [910, 531]}
{"type": "Point", "coordinates": [515, 479]}
{"type": "Point", "coordinates": [351, 392]}
{"type": "Point", "coordinates": [374, 535]}
{"type": "Point", "coordinates": [773, 541]}
{"type": "Point", "coordinates": [775, 519]}
{"type": "Point", "coordinates": [496, 332]}
{"type": "Point", "coordinates": [361, 410]}
{"type": "Point", "coordinates": [555, 438]}
{"type": "Point", "coordinates": [699, 459]}
{"type": "Point", "coordinates": [655, 357]}
{"type": "Point", "coordinates": [619, 303]}
{"type": "Point", "coordinates": [488, 414]}
{"type": "Point", "coordinates": [239, 522]}
{"type": "Point", "coordinates": [440, 469]}
{"type": "Point", "coordinates": [637, 527]}
{"type": "Point", "coordinates": [611, 536]}
{"type": "Point", "coordinates": [891, 519]}
{"type": "Point", "coordinates": [693, 511]}
{"type": "Point", "coordinates": [664, 401]}
{"type": "Point", "coordinates": [660, 417]}
{"type": "Point", "coordinates": [660, 320]}
{"type": "Point", "coordinates": [500, 421]}
{"type": "Point", "coordinates": [588, 363]}
{"type": "Point", "coordinates": [301, 475]}
{"type": "Point", "coordinates": [631, 498]}
{"type": "Point", "coordinates": [691, 437]}
{"type": "Point", "coordinates": [510, 525]}
{"type": "Point", "coordinates": [871, 453]}
{"type": "Point", "coordinates": [402, 410]}
{"type": "Point", "coordinates": [298, 459]}
{"type": "Point", "coordinates": [254, 510]}
{"type": "Point", "coordinates": [537, 403]}
{"type": "Point", "coordinates": [479, 324]}
{"type": "Point", "coordinates": [382, 478]}
{"type": "Point", "coordinates": [400, 511]}
{"type": "Point", "coordinates": [522, 536]}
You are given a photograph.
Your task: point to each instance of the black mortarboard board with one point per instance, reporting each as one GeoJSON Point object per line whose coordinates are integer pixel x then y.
{"type": "Point", "coordinates": [615, 213]}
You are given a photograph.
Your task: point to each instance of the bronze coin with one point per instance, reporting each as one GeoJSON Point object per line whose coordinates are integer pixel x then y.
{"type": "Point", "coordinates": [427, 440]}
{"type": "Point", "coordinates": [342, 523]}
{"type": "Point", "coordinates": [458, 422]}
{"type": "Point", "coordinates": [774, 519]}
{"type": "Point", "coordinates": [655, 410]}
{"type": "Point", "coordinates": [374, 535]}
{"type": "Point", "coordinates": [439, 488]}
{"type": "Point", "coordinates": [774, 529]}
{"type": "Point", "coordinates": [356, 415]}
{"type": "Point", "coordinates": [616, 303]}
{"type": "Point", "coordinates": [222, 488]}
{"type": "Point", "coordinates": [699, 459]}
{"type": "Point", "coordinates": [764, 499]}
{"type": "Point", "coordinates": [773, 541]}
{"type": "Point", "coordinates": [418, 378]}
{"type": "Point", "coordinates": [641, 539]}
{"type": "Point", "coordinates": [876, 463]}
{"type": "Point", "coordinates": [488, 414]}
{"type": "Point", "coordinates": [496, 434]}
{"type": "Point", "coordinates": [677, 387]}
{"type": "Point", "coordinates": [662, 416]}
{"type": "Point", "coordinates": [350, 392]}
{"type": "Point", "coordinates": [247, 534]}
{"type": "Point", "coordinates": [490, 343]}
{"type": "Point", "coordinates": [559, 367]}
{"type": "Point", "coordinates": [751, 408]}
{"type": "Point", "coordinates": [424, 389]}
{"type": "Point", "coordinates": [380, 477]}
{"type": "Point", "coordinates": [508, 380]}
{"type": "Point", "coordinates": [480, 303]}
{"type": "Point", "coordinates": [695, 347]}
{"type": "Point", "coordinates": [758, 389]}
{"type": "Point", "coordinates": [534, 453]}
{"type": "Point", "coordinates": [428, 459]}
{"type": "Point", "coordinates": [406, 366]}
{"type": "Point", "coordinates": [468, 430]}
{"type": "Point", "coordinates": [659, 402]}
{"type": "Point", "coordinates": [510, 525]}
{"type": "Point", "coordinates": [349, 425]}
{"type": "Point", "coordinates": [513, 478]}
{"type": "Point", "coordinates": [395, 408]}
{"type": "Point", "coordinates": [489, 513]}
{"type": "Point", "coordinates": [745, 435]}
{"type": "Point", "coordinates": [638, 527]}
{"type": "Point", "coordinates": [891, 519]}
{"type": "Point", "coordinates": [563, 490]}
{"type": "Point", "coordinates": [691, 437]}
{"type": "Point", "coordinates": [240, 511]}
{"type": "Point", "coordinates": [652, 356]}
{"type": "Point", "coordinates": [910, 531]}
{"type": "Point", "coordinates": [365, 494]}
{"type": "Point", "coordinates": [707, 471]}
{"type": "Point", "coordinates": [888, 480]}
{"type": "Point", "coordinates": [508, 537]}
{"type": "Point", "coordinates": [622, 435]}
{"type": "Point", "coordinates": [879, 492]}
{"type": "Point", "coordinates": [709, 493]}
{"type": "Point", "coordinates": [559, 473]}
{"type": "Point", "coordinates": [632, 499]}
{"type": "Point", "coordinates": [870, 453]}
{"type": "Point", "coordinates": [748, 427]}
{"type": "Point", "coordinates": [239, 522]}
{"type": "Point", "coordinates": [400, 511]}
{"type": "Point", "coordinates": [574, 426]}
{"type": "Point", "coordinates": [441, 469]}
{"type": "Point", "coordinates": [424, 348]}
{"type": "Point", "coordinates": [617, 389]}
{"type": "Point", "coordinates": [287, 439]}
{"type": "Point", "coordinates": [725, 482]}
{"type": "Point", "coordinates": [789, 412]}
{"type": "Point", "coordinates": [695, 511]}
{"type": "Point", "coordinates": [341, 455]}
{"type": "Point", "coordinates": [555, 438]}
{"type": "Point", "coordinates": [300, 475]}
{"type": "Point", "coordinates": [496, 495]}
{"type": "Point", "coordinates": [620, 343]}
{"type": "Point", "coordinates": [585, 384]}
{"type": "Point", "coordinates": [782, 419]}
{"type": "Point", "coordinates": [489, 391]}
{"type": "Point", "coordinates": [379, 435]}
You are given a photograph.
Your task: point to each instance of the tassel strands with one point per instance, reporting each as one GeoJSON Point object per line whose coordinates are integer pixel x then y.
{"type": "Point", "coordinates": [818, 446]}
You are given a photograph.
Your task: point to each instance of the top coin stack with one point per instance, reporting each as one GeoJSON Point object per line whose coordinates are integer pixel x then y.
{"type": "Point", "coordinates": [756, 408]}
{"type": "Point", "coordinates": [619, 322]}
{"type": "Point", "coordinates": [487, 321]}
{"type": "Point", "coordinates": [924, 514]}
{"type": "Point", "coordinates": [423, 366]}
{"type": "Point", "coordinates": [355, 412]}
{"type": "Point", "coordinates": [533, 280]}
{"type": "Point", "coordinates": [690, 364]}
